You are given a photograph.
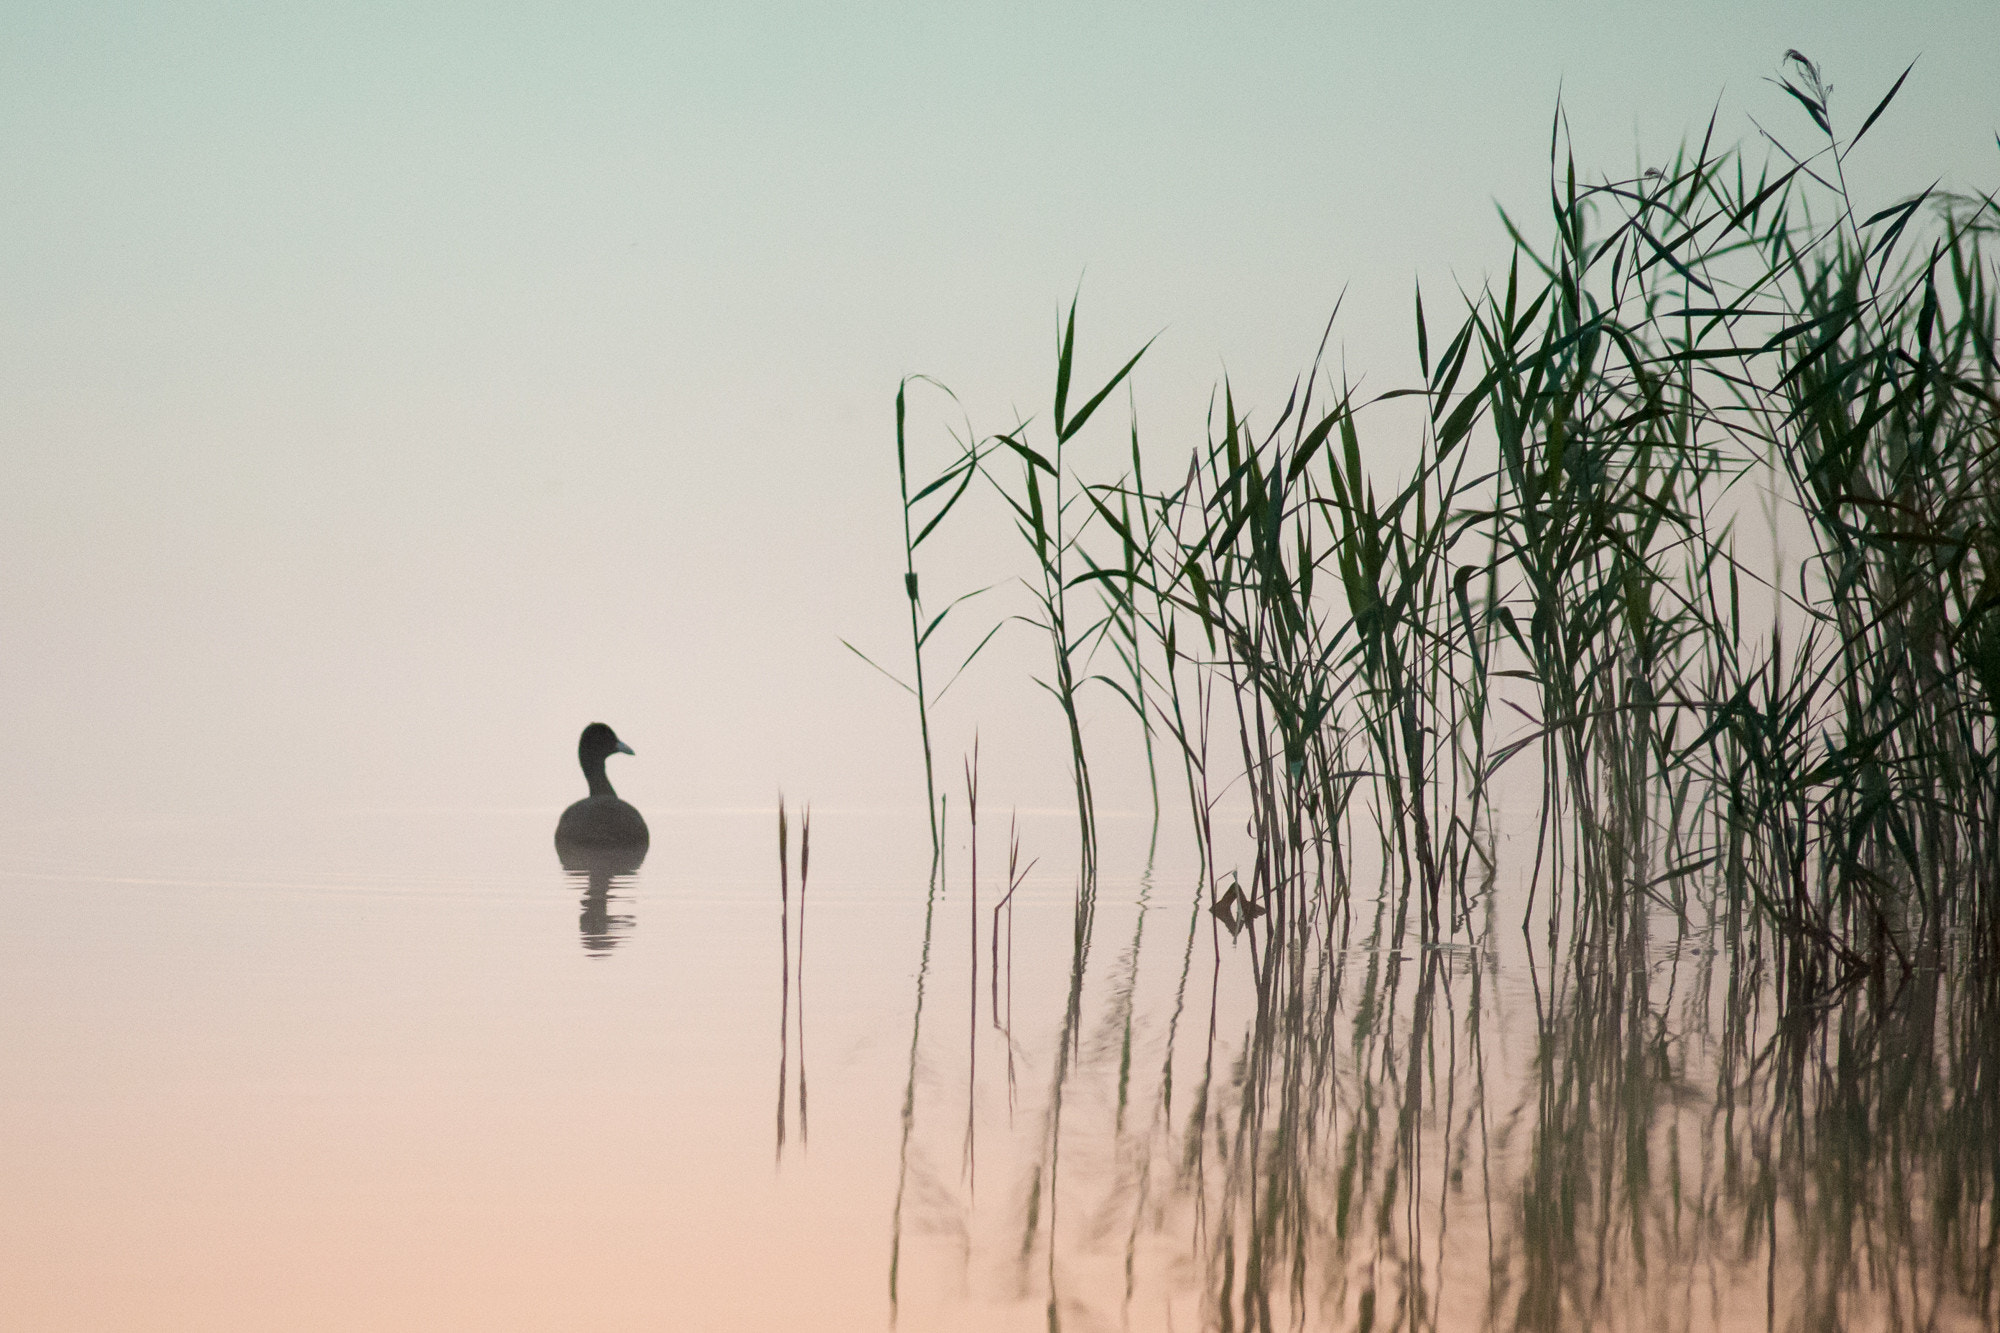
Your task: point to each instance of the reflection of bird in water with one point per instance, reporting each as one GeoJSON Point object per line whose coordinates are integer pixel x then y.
{"type": "Point", "coordinates": [601, 870]}
{"type": "Point", "coordinates": [600, 840]}
{"type": "Point", "coordinates": [600, 821]}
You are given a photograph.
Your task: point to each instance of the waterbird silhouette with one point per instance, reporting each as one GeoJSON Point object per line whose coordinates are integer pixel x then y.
{"type": "Point", "coordinates": [600, 823]}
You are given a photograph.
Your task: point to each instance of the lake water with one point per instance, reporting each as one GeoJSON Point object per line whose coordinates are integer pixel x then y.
{"type": "Point", "coordinates": [395, 1069]}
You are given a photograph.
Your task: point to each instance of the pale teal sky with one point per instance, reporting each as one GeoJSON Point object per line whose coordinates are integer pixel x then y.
{"type": "Point", "coordinates": [385, 391]}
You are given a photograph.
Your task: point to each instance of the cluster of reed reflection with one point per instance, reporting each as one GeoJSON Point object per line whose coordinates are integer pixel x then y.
{"type": "Point", "coordinates": [1771, 742]}
{"type": "Point", "coordinates": [1633, 1134]}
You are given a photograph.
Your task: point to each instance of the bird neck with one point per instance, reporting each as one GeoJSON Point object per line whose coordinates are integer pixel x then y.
{"type": "Point", "coordinates": [593, 770]}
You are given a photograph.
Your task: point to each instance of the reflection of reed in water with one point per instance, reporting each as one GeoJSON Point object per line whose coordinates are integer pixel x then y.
{"type": "Point", "coordinates": [1679, 1143]}
{"type": "Point", "coordinates": [602, 869]}
{"type": "Point", "coordinates": [1648, 1130]}
{"type": "Point", "coordinates": [785, 963]}
{"type": "Point", "coordinates": [1642, 1132]}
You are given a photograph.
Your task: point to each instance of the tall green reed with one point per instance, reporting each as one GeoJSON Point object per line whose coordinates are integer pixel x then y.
{"type": "Point", "coordinates": [942, 493]}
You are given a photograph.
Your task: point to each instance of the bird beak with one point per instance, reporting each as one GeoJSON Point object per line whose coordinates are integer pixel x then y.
{"type": "Point", "coordinates": [623, 748]}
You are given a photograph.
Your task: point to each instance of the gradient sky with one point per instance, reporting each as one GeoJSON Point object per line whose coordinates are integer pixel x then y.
{"type": "Point", "coordinates": [386, 391]}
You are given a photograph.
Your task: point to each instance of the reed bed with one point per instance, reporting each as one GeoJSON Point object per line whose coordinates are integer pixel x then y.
{"type": "Point", "coordinates": [1691, 571]}
{"type": "Point", "coordinates": [1702, 536]}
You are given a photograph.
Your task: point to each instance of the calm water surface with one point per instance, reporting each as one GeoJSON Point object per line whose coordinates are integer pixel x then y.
{"type": "Point", "coordinates": [367, 1070]}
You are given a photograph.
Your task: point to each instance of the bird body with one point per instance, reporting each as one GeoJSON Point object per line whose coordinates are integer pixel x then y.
{"type": "Point", "coordinates": [600, 821]}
